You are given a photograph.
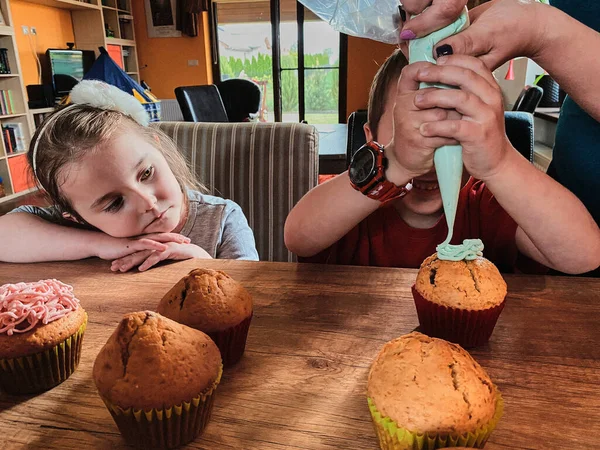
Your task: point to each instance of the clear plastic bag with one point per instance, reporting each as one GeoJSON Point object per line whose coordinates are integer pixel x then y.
{"type": "Point", "coordinates": [372, 19]}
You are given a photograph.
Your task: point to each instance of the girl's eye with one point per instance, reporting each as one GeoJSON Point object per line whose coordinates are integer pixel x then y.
{"type": "Point", "coordinates": [147, 173]}
{"type": "Point", "coordinates": [115, 205]}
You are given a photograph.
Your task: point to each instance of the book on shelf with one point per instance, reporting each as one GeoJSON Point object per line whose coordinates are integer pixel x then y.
{"type": "Point", "coordinates": [9, 139]}
{"type": "Point", "coordinates": [19, 135]}
{"type": "Point", "coordinates": [6, 102]}
{"type": "Point", "coordinates": [4, 63]}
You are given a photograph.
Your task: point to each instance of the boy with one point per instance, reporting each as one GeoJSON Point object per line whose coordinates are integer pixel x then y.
{"type": "Point", "coordinates": [507, 203]}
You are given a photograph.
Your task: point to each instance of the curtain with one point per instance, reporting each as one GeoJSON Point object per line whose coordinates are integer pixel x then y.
{"type": "Point", "coordinates": [188, 12]}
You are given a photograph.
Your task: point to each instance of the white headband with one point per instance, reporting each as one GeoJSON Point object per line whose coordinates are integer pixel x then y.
{"type": "Point", "coordinates": [99, 95]}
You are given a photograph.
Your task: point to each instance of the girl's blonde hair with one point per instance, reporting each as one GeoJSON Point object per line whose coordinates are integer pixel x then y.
{"type": "Point", "coordinates": [71, 133]}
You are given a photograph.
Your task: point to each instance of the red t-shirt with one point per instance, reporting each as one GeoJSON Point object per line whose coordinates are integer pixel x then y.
{"type": "Point", "coordinates": [383, 239]}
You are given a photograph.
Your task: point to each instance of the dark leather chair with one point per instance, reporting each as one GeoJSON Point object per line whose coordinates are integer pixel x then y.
{"type": "Point", "coordinates": [529, 99]}
{"type": "Point", "coordinates": [519, 129]}
{"type": "Point", "coordinates": [201, 103]}
{"type": "Point", "coordinates": [241, 98]}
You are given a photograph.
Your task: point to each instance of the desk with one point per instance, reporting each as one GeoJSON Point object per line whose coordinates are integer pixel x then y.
{"type": "Point", "coordinates": [332, 147]}
{"type": "Point", "coordinates": [315, 332]}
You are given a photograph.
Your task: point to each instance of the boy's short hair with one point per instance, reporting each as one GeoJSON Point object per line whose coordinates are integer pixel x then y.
{"type": "Point", "coordinates": [388, 73]}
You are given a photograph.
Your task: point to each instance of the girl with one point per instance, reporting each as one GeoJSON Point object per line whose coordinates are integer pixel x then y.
{"type": "Point", "coordinates": [120, 191]}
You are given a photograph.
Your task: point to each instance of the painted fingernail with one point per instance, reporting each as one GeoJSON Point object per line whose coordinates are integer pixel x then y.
{"type": "Point", "coordinates": [407, 35]}
{"type": "Point", "coordinates": [444, 50]}
{"type": "Point", "coordinates": [442, 60]}
{"type": "Point", "coordinates": [419, 98]}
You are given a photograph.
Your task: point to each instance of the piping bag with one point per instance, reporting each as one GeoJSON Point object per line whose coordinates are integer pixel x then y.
{"type": "Point", "coordinates": [380, 20]}
{"type": "Point", "coordinates": [448, 159]}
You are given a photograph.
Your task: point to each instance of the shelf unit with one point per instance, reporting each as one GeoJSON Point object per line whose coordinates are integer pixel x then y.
{"type": "Point", "coordinates": [117, 14]}
{"type": "Point", "coordinates": [14, 171]}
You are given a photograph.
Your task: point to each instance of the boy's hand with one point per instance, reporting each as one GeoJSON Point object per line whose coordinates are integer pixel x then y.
{"type": "Point", "coordinates": [109, 247]}
{"type": "Point", "coordinates": [411, 152]}
{"type": "Point", "coordinates": [479, 99]}
{"type": "Point", "coordinates": [145, 259]}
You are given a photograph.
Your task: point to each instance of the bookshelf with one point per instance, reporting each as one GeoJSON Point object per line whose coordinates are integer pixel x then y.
{"type": "Point", "coordinates": [14, 114]}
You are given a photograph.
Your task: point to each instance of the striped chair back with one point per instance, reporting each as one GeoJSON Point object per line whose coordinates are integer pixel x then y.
{"type": "Point", "coordinates": [264, 167]}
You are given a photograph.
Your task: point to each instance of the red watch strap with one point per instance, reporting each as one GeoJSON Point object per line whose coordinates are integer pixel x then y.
{"type": "Point", "coordinates": [386, 190]}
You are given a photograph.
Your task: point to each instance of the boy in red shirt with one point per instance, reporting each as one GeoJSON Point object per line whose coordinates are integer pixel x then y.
{"type": "Point", "coordinates": [507, 203]}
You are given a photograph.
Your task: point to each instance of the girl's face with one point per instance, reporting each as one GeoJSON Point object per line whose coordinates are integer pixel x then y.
{"type": "Point", "coordinates": [125, 188]}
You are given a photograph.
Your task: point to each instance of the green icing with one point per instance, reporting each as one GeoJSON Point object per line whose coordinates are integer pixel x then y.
{"type": "Point", "coordinates": [448, 159]}
{"type": "Point", "coordinates": [470, 249]}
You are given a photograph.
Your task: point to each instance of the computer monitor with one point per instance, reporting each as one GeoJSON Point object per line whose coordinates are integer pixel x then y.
{"type": "Point", "coordinates": [66, 69]}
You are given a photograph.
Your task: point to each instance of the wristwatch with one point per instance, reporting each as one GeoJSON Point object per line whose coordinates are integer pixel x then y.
{"type": "Point", "coordinates": [367, 174]}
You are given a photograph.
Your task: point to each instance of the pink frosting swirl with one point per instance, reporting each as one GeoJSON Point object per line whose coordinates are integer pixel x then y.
{"type": "Point", "coordinates": [24, 305]}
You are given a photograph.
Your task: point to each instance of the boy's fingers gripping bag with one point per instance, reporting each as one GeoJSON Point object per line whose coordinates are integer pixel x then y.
{"type": "Point", "coordinates": [106, 69]}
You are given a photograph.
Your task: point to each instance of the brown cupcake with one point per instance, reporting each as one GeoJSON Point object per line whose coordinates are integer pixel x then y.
{"type": "Point", "coordinates": [213, 302]}
{"type": "Point", "coordinates": [37, 356]}
{"type": "Point", "coordinates": [422, 386]}
{"type": "Point", "coordinates": [459, 300]}
{"type": "Point", "coordinates": [157, 378]}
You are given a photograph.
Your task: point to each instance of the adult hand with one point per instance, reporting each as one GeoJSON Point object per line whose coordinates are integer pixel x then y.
{"type": "Point", "coordinates": [145, 259]}
{"type": "Point", "coordinates": [479, 99]}
{"type": "Point", "coordinates": [109, 247]}
{"type": "Point", "coordinates": [439, 14]}
{"type": "Point", "coordinates": [410, 154]}
{"type": "Point", "coordinates": [501, 30]}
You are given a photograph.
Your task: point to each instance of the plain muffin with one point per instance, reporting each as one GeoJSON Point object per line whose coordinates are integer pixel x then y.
{"type": "Point", "coordinates": [427, 385]}
{"type": "Point", "coordinates": [151, 361]}
{"type": "Point", "coordinates": [472, 285]}
{"type": "Point", "coordinates": [213, 302]}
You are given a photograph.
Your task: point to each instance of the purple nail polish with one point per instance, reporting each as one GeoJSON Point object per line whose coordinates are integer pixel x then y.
{"type": "Point", "coordinates": [407, 35]}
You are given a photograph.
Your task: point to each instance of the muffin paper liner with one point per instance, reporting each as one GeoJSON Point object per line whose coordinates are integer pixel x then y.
{"type": "Point", "coordinates": [42, 371]}
{"type": "Point", "coordinates": [393, 437]}
{"type": "Point", "coordinates": [232, 341]}
{"type": "Point", "coordinates": [166, 427]}
{"type": "Point", "coordinates": [468, 328]}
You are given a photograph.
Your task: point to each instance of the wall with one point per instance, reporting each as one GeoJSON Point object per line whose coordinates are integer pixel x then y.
{"type": "Point", "coordinates": [364, 58]}
{"type": "Point", "coordinates": [164, 61]}
{"type": "Point", "coordinates": [54, 30]}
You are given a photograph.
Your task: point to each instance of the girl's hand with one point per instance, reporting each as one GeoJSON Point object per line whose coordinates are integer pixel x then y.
{"type": "Point", "coordinates": [501, 30]}
{"type": "Point", "coordinates": [410, 152]}
{"type": "Point", "coordinates": [439, 14]}
{"type": "Point", "coordinates": [109, 247]}
{"type": "Point", "coordinates": [145, 259]}
{"type": "Point", "coordinates": [479, 100]}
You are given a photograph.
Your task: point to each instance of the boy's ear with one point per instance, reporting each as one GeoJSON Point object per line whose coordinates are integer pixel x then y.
{"type": "Point", "coordinates": [368, 133]}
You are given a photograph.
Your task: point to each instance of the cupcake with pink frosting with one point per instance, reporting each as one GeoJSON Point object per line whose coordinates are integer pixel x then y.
{"type": "Point", "coordinates": [41, 330]}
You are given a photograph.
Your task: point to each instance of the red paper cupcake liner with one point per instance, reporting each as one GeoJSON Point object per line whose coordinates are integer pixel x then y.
{"type": "Point", "coordinates": [232, 341]}
{"type": "Point", "coordinates": [468, 328]}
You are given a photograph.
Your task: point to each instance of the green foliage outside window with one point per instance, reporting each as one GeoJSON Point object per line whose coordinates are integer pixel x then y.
{"type": "Point", "coordinates": [321, 86]}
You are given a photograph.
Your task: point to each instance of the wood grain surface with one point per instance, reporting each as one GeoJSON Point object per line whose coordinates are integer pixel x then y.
{"type": "Point", "coordinates": [316, 329]}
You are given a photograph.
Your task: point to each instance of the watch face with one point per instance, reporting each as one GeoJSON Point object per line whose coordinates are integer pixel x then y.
{"type": "Point", "coordinates": [362, 166]}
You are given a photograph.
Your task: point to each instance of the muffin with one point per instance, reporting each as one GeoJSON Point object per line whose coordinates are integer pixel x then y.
{"type": "Point", "coordinates": [459, 301]}
{"type": "Point", "coordinates": [426, 393]}
{"type": "Point", "coordinates": [158, 378]}
{"type": "Point", "coordinates": [41, 331]}
{"type": "Point", "coordinates": [213, 302]}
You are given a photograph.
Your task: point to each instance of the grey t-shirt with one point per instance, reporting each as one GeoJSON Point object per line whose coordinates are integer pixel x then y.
{"type": "Point", "coordinates": [213, 223]}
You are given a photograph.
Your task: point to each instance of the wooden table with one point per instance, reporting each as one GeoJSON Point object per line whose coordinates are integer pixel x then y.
{"type": "Point", "coordinates": [316, 329]}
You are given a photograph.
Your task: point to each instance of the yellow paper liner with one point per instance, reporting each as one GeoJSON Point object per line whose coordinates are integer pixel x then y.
{"type": "Point", "coordinates": [167, 427]}
{"type": "Point", "coordinates": [393, 437]}
{"type": "Point", "coordinates": [44, 370]}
